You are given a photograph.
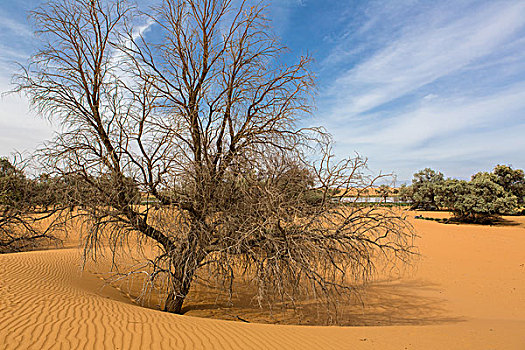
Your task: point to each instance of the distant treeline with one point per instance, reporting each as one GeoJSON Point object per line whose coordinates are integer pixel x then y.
{"type": "Point", "coordinates": [483, 199]}
{"type": "Point", "coordinates": [17, 190]}
{"type": "Point", "coordinates": [30, 206]}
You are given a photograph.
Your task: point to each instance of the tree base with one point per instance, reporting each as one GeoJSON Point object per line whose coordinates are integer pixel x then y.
{"type": "Point", "coordinates": [174, 304]}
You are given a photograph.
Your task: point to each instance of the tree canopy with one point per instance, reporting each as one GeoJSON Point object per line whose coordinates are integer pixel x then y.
{"type": "Point", "coordinates": [203, 125]}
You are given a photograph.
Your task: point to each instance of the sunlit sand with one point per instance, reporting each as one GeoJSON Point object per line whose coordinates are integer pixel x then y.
{"type": "Point", "coordinates": [465, 292]}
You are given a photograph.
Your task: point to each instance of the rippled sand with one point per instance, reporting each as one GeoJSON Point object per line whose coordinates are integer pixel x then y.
{"type": "Point", "coordinates": [468, 292]}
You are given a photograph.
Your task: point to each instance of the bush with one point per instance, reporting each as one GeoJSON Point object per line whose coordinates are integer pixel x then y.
{"type": "Point", "coordinates": [513, 181]}
{"type": "Point", "coordinates": [423, 190]}
{"type": "Point", "coordinates": [25, 222]}
{"type": "Point", "coordinates": [479, 201]}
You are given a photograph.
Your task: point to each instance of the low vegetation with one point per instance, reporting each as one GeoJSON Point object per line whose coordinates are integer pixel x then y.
{"type": "Point", "coordinates": [27, 208]}
{"type": "Point", "coordinates": [483, 199]}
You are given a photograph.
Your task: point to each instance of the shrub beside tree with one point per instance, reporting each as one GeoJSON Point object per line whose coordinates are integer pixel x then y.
{"type": "Point", "coordinates": [26, 219]}
{"type": "Point", "coordinates": [405, 193]}
{"type": "Point", "coordinates": [423, 189]}
{"type": "Point", "coordinates": [480, 200]}
{"type": "Point", "coordinates": [483, 199]}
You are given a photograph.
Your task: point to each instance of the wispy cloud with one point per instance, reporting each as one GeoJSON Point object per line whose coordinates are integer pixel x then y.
{"type": "Point", "coordinates": [424, 53]}
{"type": "Point", "coordinates": [443, 131]}
{"type": "Point", "coordinates": [439, 84]}
{"type": "Point", "coordinates": [20, 130]}
{"type": "Point", "coordinates": [15, 43]}
{"type": "Point", "coordinates": [14, 27]}
{"type": "Point", "coordinates": [436, 117]}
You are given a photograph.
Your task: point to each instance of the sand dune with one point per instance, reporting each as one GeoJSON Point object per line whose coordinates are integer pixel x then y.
{"type": "Point", "coordinates": [468, 292]}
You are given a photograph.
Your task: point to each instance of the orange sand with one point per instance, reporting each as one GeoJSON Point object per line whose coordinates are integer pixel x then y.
{"type": "Point", "coordinates": [468, 292]}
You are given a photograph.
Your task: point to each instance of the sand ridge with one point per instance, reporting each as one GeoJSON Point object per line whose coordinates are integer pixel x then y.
{"type": "Point", "coordinates": [476, 274]}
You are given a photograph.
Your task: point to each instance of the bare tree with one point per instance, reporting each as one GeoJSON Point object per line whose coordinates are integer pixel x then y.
{"type": "Point", "coordinates": [204, 124]}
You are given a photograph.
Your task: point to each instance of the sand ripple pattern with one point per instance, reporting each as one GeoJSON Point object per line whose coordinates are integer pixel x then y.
{"type": "Point", "coordinates": [47, 303]}
{"type": "Point", "coordinates": [477, 272]}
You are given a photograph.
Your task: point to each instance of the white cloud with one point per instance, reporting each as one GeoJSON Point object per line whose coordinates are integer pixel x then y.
{"type": "Point", "coordinates": [439, 85]}
{"type": "Point", "coordinates": [425, 52]}
{"type": "Point", "coordinates": [20, 130]}
{"type": "Point", "coordinates": [437, 117]}
{"type": "Point", "coordinates": [14, 38]}
{"type": "Point", "coordinates": [17, 28]}
{"type": "Point", "coordinates": [137, 32]}
{"type": "Point", "coordinates": [454, 134]}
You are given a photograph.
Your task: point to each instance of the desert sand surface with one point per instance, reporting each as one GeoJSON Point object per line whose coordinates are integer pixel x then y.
{"type": "Point", "coordinates": [466, 291]}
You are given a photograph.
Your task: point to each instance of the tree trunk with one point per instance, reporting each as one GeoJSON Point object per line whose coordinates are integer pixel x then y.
{"type": "Point", "coordinates": [180, 286]}
{"type": "Point", "coordinates": [177, 294]}
{"type": "Point", "coordinates": [185, 263]}
{"type": "Point", "coordinates": [174, 302]}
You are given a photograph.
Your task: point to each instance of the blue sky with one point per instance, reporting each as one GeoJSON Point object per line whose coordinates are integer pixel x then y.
{"type": "Point", "coordinates": [408, 84]}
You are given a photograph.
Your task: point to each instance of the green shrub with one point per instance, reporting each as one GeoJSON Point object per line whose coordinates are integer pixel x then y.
{"type": "Point", "coordinates": [423, 190]}
{"type": "Point", "coordinates": [481, 200]}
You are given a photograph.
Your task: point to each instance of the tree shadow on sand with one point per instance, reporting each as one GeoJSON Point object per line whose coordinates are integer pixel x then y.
{"type": "Point", "coordinates": [413, 302]}
{"type": "Point", "coordinates": [382, 303]}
